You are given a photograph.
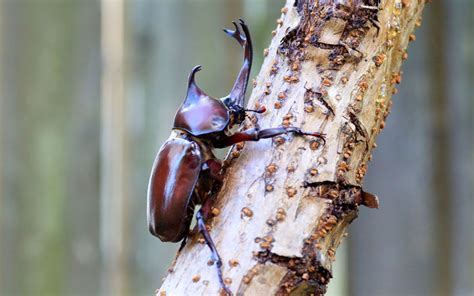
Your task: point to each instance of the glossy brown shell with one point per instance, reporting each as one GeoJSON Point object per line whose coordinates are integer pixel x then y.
{"type": "Point", "coordinates": [174, 175]}
{"type": "Point", "coordinates": [201, 114]}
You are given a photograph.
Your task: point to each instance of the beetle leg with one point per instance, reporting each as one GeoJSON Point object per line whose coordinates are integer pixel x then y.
{"type": "Point", "coordinates": [206, 209]}
{"type": "Point", "coordinates": [215, 255]}
{"type": "Point", "coordinates": [214, 166]}
{"type": "Point", "coordinates": [183, 244]}
{"type": "Point", "coordinates": [256, 134]}
{"type": "Point", "coordinates": [237, 94]}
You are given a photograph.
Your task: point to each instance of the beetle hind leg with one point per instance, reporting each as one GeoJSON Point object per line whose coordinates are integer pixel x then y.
{"type": "Point", "coordinates": [215, 255]}
{"type": "Point", "coordinates": [183, 244]}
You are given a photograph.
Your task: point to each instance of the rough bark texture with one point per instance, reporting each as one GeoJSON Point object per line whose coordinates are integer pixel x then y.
{"type": "Point", "coordinates": [285, 203]}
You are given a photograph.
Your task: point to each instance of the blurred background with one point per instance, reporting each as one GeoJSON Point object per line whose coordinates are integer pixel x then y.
{"type": "Point", "coordinates": [88, 92]}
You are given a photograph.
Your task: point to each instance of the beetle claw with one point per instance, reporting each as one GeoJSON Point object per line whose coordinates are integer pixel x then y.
{"type": "Point", "coordinates": [319, 136]}
{"type": "Point", "coordinates": [315, 134]}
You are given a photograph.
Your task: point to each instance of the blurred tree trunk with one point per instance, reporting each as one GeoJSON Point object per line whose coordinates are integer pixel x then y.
{"type": "Point", "coordinates": [114, 146]}
{"type": "Point", "coordinates": [285, 204]}
{"type": "Point", "coordinates": [48, 119]}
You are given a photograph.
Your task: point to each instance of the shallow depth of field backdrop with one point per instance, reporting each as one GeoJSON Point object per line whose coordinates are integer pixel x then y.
{"type": "Point", "coordinates": [74, 163]}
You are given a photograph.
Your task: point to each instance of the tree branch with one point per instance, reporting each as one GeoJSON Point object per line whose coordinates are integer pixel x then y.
{"type": "Point", "coordinates": [285, 204]}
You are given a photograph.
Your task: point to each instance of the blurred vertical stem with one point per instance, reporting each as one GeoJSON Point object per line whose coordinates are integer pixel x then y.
{"type": "Point", "coordinates": [113, 151]}
{"type": "Point", "coordinates": [441, 154]}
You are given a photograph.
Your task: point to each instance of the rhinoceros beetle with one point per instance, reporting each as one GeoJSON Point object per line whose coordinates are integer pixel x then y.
{"type": "Point", "coordinates": [185, 168]}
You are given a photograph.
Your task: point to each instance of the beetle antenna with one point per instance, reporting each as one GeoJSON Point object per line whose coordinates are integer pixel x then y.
{"type": "Point", "coordinates": [262, 109]}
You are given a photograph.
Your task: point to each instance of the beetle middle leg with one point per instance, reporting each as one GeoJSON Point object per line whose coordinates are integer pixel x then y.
{"type": "Point", "coordinates": [214, 167]}
{"type": "Point", "coordinates": [257, 134]}
{"type": "Point", "coordinates": [215, 255]}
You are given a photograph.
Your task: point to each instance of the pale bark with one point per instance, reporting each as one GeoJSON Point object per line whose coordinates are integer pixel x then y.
{"type": "Point", "coordinates": [285, 204]}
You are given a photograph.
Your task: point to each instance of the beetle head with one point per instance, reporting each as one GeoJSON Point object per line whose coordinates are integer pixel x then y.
{"type": "Point", "coordinates": [238, 113]}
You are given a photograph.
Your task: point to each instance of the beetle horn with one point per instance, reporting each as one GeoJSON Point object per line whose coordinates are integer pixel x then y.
{"type": "Point", "coordinates": [242, 35]}
{"type": "Point", "coordinates": [194, 92]}
{"type": "Point", "coordinates": [191, 75]}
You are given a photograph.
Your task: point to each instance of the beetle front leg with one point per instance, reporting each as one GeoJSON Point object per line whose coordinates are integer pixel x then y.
{"type": "Point", "coordinates": [215, 255]}
{"type": "Point", "coordinates": [256, 134]}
